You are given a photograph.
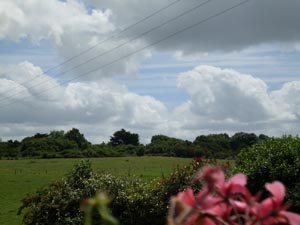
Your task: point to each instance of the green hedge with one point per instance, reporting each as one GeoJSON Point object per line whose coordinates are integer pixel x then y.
{"type": "Point", "coordinates": [273, 159]}
{"type": "Point", "coordinates": [134, 201]}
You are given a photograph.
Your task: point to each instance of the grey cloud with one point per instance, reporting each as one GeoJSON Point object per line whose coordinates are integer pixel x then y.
{"type": "Point", "coordinates": [257, 22]}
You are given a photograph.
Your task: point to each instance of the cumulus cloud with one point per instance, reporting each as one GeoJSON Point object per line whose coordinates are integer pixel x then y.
{"type": "Point", "coordinates": [43, 20]}
{"type": "Point", "coordinates": [226, 100]}
{"type": "Point", "coordinates": [72, 28]}
{"type": "Point", "coordinates": [220, 100]}
{"type": "Point", "coordinates": [288, 97]}
{"type": "Point", "coordinates": [226, 94]}
{"type": "Point", "coordinates": [103, 105]}
{"type": "Point", "coordinates": [25, 80]}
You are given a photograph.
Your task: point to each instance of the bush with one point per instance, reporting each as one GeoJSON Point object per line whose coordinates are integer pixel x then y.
{"type": "Point", "coordinates": [273, 159]}
{"type": "Point", "coordinates": [58, 204]}
{"type": "Point", "coordinates": [134, 202]}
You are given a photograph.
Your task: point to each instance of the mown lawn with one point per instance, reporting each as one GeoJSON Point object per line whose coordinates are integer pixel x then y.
{"type": "Point", "coordinates": [21, 177]}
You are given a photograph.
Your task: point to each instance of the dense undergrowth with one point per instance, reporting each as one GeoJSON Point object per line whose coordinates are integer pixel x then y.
{"type": "Point", "coordinates": [273, 159]}
{"type": "Point", "coordinates": [59, 204]}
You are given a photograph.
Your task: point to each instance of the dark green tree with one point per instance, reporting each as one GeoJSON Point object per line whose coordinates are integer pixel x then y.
{"type": "Point", "coordinates": [242, 140]}
{"type": "Point", "coordinates": [39, 135]}
{"type": "Point", "coordinates": [78, 138]}
{"type": "Point", "coordinates": [263, 137]}
{"type": "Point", "coordinates": [123, 137]}
{"type": "Point", "coordinates": [57, 134]}
{"type": "Point", "coordinates": [214, 145]}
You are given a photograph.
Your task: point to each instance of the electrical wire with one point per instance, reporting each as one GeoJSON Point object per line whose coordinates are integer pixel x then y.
{"type": "Point", "coordinates": [99, 43]}
{"type": "Point", "coordinates": [143, 48]}
{"type": "Point", "coordinates": [112, 49]}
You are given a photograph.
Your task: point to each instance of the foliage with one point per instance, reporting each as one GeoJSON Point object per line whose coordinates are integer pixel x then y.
{"type": "Point", "coordinates": [33, 174]}
{"type": "Point", "coordinates": [73, 144]}
{"type": "Point", "coordinates": [75, 136]}
{"type": "Point", "coordinates": [273, 159]}
{"type": "Point", "coordinates": [123, 137]}
{"type": "Point", "coordinates": [222, 202]}
{"type": "Point", "coordinates": [214, 145]}
{"type": "Point", "coordinates": [59, 203]}
{"type": "Point", "coordinates": [220, 146]}
{"type": "Point", "coordinates": [242, 140]}
{"type": "Point", "coordinates": [9, 149]}
{"type": "Point", "coordinates": [164, 145]}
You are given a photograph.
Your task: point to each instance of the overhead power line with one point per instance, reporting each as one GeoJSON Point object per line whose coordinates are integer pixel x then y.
{"type": "Point", "coordinates": [113, 49]}
{"type": "Point", "coordinates": [145, 47]}
{"type": "Point", "coordinates": [100, 43]}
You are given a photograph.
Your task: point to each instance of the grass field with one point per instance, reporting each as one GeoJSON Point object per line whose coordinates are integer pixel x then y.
{"type": "Point", "coordinates": [21, 177]}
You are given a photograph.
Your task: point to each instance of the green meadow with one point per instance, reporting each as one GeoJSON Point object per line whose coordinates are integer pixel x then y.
{"type": "Point", "coordinates": [22, 177]}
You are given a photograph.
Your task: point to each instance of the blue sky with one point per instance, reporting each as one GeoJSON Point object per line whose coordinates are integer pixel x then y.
{"type": "Point", "coordinates": [157, 75]}
{"type": "Point", "coordinates": [182, 87]}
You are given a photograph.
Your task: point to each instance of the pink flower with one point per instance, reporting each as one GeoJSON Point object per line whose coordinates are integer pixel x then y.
{"type": "Point", "coordinates": [202, 201]}
{"type": "Point", "coordinates": [230, 191]}
{"type": "Point", "coordinates": [229, 202]}
{"type": "Point", "coordinates": [217, 196]}
{"type": "Point", "coordinates": [271, 210]}
{"type": "Point", "coordinates": [215, 181]}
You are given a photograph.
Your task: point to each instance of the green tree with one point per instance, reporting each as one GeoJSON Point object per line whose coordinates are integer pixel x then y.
{"type": "Point", "coordinates": [78, 138]}
{"type": "Point", "coordinates": [214, 145]}
{"type": "Point", "coordinates": [164, 145]}
{"type": "Point", "coordinates": [57, 134]}
{"type": "Point", "coordinates": [123, 137]}
{"type": "Point", "coordinates": [242, 140]}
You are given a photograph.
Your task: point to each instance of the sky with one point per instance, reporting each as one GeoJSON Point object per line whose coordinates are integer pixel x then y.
{"type": "Point", "coordinates": [181, 68]}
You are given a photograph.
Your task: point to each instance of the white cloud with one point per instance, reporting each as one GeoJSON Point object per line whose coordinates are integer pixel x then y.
{"type": "Point", "coordinates": [39, 20]}
{"type": "Point", "coordinates": [104, 105]}
{"type": "Point", "coordinates": [226, 94]}
{"type": "Point", "coordinates": [72, 29]}
{"type": "Point", "coordinates": [221, 100]}
{"type": "Point", "coordinates": [28, 80]}
{"type": "Point", "coordinates": [226, 100]}
{"type": "Point", "coordinates": [288, 97]}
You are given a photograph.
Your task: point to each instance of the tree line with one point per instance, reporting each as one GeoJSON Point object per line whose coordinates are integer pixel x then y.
{"type": "Point", "coordinates": [73, 144]}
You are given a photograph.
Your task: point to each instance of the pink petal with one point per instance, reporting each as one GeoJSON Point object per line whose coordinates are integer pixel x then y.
{"type": "Point", "coordinates": [277, 189]}
{"type": "Point", "coordinates": [271, 221]}
{"type": "Point", "coordinates": [207, 221]}
{"type": "Point", "coordinates": [202, 194]}
{"type": "Point", "coordinates": [191, 220]}
{"type": "Point", "coordinates": [293, 218]}
{"type": "Point", "coordinates": [213, 176]}
{"type": "Point", "coordinates": [209, 203]}
{"type": "Point", "coordinates": [240, 206]}
{"type": "Point", "coordinates": [236, 189]}
{"type": "Point", "coordinates": [220, 210]}
{"type": "Point", "coordinates": [238, 179]}
{"type": "Point", "coordinates": [187, 197]}
{"type": "Point", "coordinates": [263, 209]}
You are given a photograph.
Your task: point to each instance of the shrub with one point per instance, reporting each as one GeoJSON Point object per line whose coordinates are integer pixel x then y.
{"type": "Point", "coordinates": [273, 159]}
{"type": "Point", "coordinates": [134, 202]}
{"type": "Point", "coordinates": [58, 204]}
